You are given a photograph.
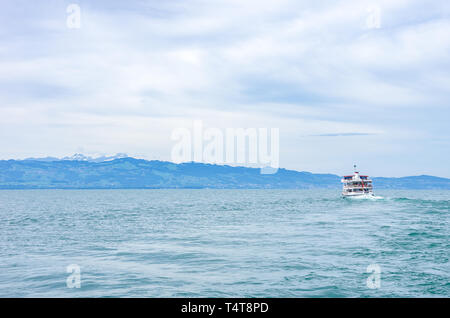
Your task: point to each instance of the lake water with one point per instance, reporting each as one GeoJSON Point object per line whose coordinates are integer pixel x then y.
{"type": "Point", "coordinates": [223, 243]}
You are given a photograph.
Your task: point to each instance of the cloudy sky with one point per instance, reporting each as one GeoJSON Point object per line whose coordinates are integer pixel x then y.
{"type": "Point", "coordinates": [346, 82]}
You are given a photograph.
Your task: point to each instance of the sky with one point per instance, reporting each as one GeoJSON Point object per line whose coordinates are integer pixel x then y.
{"type": "Point", "coordinates": [365, 82]}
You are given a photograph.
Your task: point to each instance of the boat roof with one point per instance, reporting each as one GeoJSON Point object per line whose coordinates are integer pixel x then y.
{"type": "Point", "coordinates": [352, 176]}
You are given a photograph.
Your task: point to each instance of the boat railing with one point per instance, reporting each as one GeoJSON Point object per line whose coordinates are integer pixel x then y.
{"type": "Point", "coordinates": [366, 186]}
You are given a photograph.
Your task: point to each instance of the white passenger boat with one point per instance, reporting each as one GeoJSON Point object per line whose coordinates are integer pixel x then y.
{"type": "Point", "coordinates": [357, 185]}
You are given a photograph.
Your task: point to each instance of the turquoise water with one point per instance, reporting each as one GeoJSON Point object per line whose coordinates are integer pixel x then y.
{"type": "Point", "coordinates": [223, 243]}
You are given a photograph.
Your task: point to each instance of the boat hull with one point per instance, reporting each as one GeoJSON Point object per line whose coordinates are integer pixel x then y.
{"type": "Point", "coordinates": [350, 195]}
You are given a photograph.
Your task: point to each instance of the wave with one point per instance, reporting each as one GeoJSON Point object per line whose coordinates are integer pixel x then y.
{"type": "Point", "coordinates": [421, 201]}
{"type": "Point", "coordinates": [418, 202]}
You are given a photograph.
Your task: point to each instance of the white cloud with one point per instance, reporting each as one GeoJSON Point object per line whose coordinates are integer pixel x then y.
{"type": "Point", "coordinates": [135, 71]}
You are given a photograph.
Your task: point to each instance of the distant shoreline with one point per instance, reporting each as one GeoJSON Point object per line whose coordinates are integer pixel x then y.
{"type": "Point", "coordinates": [243, 189]}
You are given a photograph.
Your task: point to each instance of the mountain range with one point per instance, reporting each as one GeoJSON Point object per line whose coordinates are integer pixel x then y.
{"type": "Point", "coordinates": [122, 172]}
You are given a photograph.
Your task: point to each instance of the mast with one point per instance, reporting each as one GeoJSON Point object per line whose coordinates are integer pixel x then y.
{"type": "Point", "coordinates": [362, 181]}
